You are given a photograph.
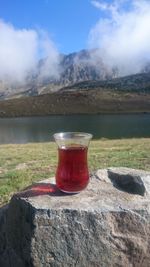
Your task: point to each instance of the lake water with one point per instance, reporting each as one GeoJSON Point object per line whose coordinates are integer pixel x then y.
{"type": "Point", "coordinates": [41, 129]}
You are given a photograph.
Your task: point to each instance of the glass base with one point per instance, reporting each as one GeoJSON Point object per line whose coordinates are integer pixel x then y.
{"type": "Point", "coordinates": [70, 192]}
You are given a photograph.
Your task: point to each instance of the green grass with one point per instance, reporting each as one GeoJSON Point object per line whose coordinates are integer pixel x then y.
{"type": "Point", "coordinates": [22, 165]}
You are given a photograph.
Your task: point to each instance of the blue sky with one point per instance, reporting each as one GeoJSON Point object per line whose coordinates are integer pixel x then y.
{"type": "Point", "coordinates": [67, 21]}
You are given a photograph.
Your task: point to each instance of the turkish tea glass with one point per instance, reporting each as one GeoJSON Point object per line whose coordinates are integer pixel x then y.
{"type": "Point", "coordinates": [72, 174]}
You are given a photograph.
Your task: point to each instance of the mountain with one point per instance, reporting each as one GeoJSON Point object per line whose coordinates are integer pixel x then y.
{"type": "Point", "coordinates": [83, 66]}
{"type": "Point", "coordinates": [72, 68]}
{"type": "Point", "coordinates": [139, 83]}
{"type": "Point", "coordinates": [83, 69]}
{"type": "Point", "coordinates": [129, 94]}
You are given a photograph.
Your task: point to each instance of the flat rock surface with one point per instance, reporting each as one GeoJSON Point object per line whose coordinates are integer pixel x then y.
{"type": "Point", "coordinates": [99, 195]}
{"type": "Point", "coordinates": [100, 227]}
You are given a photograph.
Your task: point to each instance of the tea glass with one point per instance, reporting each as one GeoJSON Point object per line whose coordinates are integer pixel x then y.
{"type": "Point", "coordinates": [72, 174]}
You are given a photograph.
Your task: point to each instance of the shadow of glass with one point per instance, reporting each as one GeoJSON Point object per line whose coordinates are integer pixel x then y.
{"type": "Point", "coordinates": [40, 189]}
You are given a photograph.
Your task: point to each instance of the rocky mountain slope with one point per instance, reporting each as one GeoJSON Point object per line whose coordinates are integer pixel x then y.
{"type": "Point", "coordinates": [73, 68]}
{"type": "Point", "coordinates": [122, 95]}
{"type": "Point", "coordinates": [139, 83]}
{"type": "Point", "coordinates": [81, 70]}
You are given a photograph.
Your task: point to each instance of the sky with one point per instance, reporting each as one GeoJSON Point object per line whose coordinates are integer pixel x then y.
{"type": "Point", "coordinates": [68, 22]}
{"type": "Point", "coordinates": [34, 29]}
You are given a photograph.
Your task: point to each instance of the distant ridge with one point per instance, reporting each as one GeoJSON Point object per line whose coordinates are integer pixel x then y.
{"type": "Point", "coordinates": [81, 70]}
{"type": "Point", "coordinates": [139, 83]}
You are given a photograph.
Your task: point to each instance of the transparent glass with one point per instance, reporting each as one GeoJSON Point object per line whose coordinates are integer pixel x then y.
{"type": "Point", "coordinates": [72, 173]}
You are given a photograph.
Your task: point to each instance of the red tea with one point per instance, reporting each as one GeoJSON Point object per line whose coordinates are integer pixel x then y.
{"type": "Point", "coordinates": [72, 173]}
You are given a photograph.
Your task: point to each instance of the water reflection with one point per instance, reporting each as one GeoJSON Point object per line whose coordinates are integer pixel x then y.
{"type": "Point", "coordinates": [41, 129]}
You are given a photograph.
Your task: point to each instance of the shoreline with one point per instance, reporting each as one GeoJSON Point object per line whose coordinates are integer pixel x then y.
{"type": "Point", "coordinates": [78, 114]}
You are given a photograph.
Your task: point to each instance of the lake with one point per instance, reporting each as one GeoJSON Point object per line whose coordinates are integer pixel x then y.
{"type": "Point", "coordinates": [41, 129]}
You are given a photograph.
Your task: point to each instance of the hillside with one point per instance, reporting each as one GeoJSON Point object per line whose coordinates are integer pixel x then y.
{"type": "Point", "coordinates": [76, 102]}
{"type": "Point", "coordinates": [129, 94]}
{"type": "Point", "coordinates": [139, 83]}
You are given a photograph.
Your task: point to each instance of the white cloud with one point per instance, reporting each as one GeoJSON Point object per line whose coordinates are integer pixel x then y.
{"type": "Point", "coordinates": [99, 5]}
{"type": "Point", "coordinates": [51, 66]}
{"type": "Point", "coordinates": [20, 50]}
{"type": "Point", "coordinates": [123, 38]}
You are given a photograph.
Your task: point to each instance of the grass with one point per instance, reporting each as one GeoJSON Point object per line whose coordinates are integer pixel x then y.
{"type": "Point", "coordinates": [22, 165]}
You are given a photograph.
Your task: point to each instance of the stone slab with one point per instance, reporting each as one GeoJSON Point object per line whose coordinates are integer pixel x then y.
{"type": "Point", "coordinates": [100, 227]}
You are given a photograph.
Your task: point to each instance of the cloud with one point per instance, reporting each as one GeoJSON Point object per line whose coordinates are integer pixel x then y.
{"type": "Point", "coordinates": [50, 68]}
{"type": "Point", "coordinates": [100, 5]}
{"type": "Point", "coordinates": [122, 34]}
{"type": "Point", "coordinates": [20, 50]}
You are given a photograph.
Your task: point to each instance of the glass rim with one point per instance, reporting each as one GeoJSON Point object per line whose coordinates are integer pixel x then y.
{"type": "Point", "coordinates": [71, 135]}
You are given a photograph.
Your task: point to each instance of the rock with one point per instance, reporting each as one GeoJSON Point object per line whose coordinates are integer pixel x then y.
{"type": "Point", "coordinates": [3, 212]}
{"type": "Point", "coordinates": [99, 227]}
{"type": "Point", "coordinates": [130, 180]}
{"type": "Point", "coordinates": [102, 175]}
